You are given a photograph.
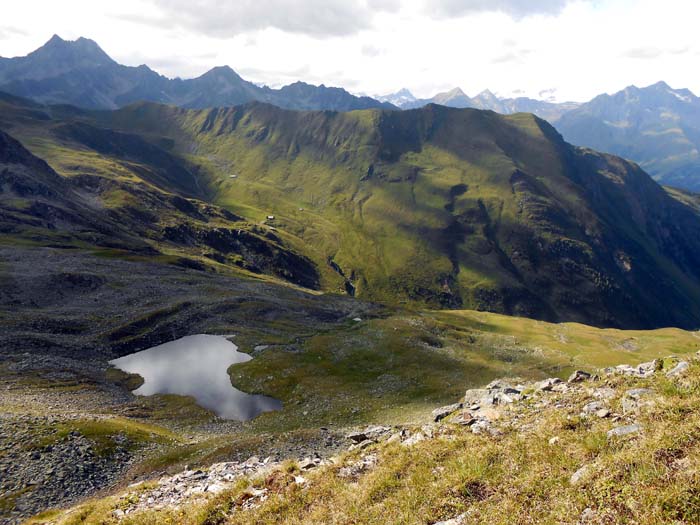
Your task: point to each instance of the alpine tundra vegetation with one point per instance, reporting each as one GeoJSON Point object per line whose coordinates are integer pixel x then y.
{"type": "Point", "coordinates": [262, 300]}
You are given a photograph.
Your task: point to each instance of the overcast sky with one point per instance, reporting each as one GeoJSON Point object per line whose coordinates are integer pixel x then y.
{"type": "Point", "coordinates": [567, 49]}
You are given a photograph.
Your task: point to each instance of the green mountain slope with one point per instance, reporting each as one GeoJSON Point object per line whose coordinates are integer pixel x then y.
{"type": "Point", "coordinates": [453, 208]}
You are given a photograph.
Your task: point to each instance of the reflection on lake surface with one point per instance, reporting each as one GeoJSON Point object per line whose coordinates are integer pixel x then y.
{"type": "Point", "coordinates": [196, 366]}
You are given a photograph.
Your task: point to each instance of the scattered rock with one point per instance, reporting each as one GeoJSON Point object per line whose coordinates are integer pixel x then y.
{"type": "Point", "coordinates": [353, 470]}
{"type": "Point", "coordinates": [175, 490]}
{"type": "Point", "coordinates": [372, 433]}
{"type": "Point", "coordinates": [650, 368]}
{"type": "Point", "coordinates": [506, 398]}
{"type": "Point", "coordinates": [638, 393]}
{"type": "Point", "coordinates": [459, 520]}
{"type": "Point", "coordinates": [547, 384]}
{"type": "Point", "coordinates": [394, 438]}
{"type": "Point", "coordinates": [643, 370]}
{"type": "Point", "coordinates": [633, 400]}
{"type": "Point", "coordinates": [309, 463]}
{"type": "Point", "coordinates": [678, 370]}
{"type": "Point", "coordinates": [606, 393]}
{"type": "Point", "coordinates": [554, 440]}
{"type": "Point", "coordinates": [580, 475]}
{"type": "Point", "coordinates": [464, 419]}
{"type": "Point", "coordinates": [300, 480]}
{"type": "Point", "coordinates": [442, 412]}
{"type": "Point", "coordinates": [588, 515]}
{"type": "Point", "coordinates": [624, 430]}
{"type": "Point", "coordinates": [560, 388]}
{"type": "Point", "coordinates": [481, 426]}
{"type": "Point", "coordinates": [474, 396]}
{"type": "Point", "coordinates": [416, 437]}
{"type": "Point", "coordinates": [578, 376]}
{"type": "Point", "coordinates": [592, 408]}
{"type": "Point", "coordinates": [363, 444]}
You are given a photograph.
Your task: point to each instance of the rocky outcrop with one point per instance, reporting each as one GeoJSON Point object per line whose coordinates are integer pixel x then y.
{"type": "Point", "coordinates": [57, 470]}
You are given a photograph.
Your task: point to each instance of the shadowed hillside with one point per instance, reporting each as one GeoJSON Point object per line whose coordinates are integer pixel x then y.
{"type": "Point", "coordinates": [453, 207]}
{"type": "Point", "coordinates": [130, 216]}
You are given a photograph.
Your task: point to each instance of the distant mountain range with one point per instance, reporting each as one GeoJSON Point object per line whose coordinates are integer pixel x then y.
{"type": "Point", "coordinates": [456, 98]}
{"type": "Point", "coordinates": [657, 126]}
{"type": "Point", "coordinates": [80, 73]}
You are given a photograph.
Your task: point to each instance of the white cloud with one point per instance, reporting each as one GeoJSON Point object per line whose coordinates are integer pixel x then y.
{"type": "Point", "coordinates": [318, 18]}
{"type": "Point", "coordinates": [650, 53]}
{"type": "Point", "coordinates": [9, 32]}
{"type": "Point", "coordinates": [515, 8]}
{"type": "Point", "coordinates": [580, 48]}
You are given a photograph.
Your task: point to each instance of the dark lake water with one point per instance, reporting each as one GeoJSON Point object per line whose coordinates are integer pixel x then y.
{"type": "Point", "coordinates": [196, 366]}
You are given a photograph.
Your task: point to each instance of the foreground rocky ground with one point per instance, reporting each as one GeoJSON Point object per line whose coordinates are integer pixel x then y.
{"type": "Point", "coordinates": [63, 442]}
{"type": "Point", "coordinates": [618, 445]}
{"type": "Point", "coordinates": [68, 429]}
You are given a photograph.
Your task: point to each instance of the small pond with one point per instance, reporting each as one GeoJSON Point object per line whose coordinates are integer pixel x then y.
{"type": "Point", "coordinates": [196, 366]}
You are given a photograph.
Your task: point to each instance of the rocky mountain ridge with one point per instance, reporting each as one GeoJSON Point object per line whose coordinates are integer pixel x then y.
{"type": "Point", "coordinates": [80, 73]}
{"type": "Point", "coordinates": [656, 126]}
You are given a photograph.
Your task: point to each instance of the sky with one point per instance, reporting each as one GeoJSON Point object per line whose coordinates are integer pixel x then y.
{"type": "Point", "coordinates": [546, 49]}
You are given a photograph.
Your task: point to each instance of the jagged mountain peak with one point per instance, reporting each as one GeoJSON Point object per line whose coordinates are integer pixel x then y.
{"type": "Point", "coordinates": [661, 85]}
{"type": "Point", "coordinates": [401, 98]}
{"type": "Point", "coordinates": [221, 71]}
{"type": "Point", "coordinates": [454, 97]}
{"type": "Point", "coordinates": [656, 126]}
{"type": "Point", "coordinates": [455, 92]}
{"type": "Point", "coordinates": [487, 94]}
{"type": "Point", "coordinates": [81, 49]}
{"type": "Point", "coordinates": [55, 40]}
{"type": "Point", "coordinates": [404, 92]}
